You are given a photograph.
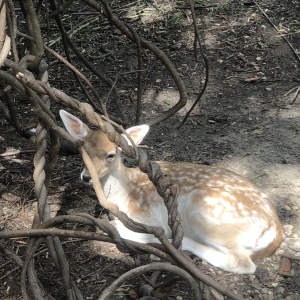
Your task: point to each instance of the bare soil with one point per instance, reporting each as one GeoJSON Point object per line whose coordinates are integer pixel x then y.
{"type": "Point", "coordinates": [246, 121]}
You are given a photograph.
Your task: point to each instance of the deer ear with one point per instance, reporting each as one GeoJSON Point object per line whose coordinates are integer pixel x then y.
{"type": "Point", "coordinates": [137, 133]}
{"type": "Point", "coordinates": [74, 126]}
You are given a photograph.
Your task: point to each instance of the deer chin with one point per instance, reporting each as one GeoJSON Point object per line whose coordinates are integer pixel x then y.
{"type": "Point", "coordinates": [86, 178]}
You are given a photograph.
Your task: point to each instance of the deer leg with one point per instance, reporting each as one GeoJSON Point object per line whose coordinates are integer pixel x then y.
{"type": "Point", "coordinates": [235, 260]}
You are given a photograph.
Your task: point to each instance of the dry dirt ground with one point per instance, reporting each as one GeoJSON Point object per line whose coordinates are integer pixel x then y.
{"type": "Point", "coordinates": [246, 122]}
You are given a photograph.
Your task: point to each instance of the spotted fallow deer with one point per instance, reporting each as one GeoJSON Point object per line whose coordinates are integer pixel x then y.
{"type": "Point", "coordinates": [226, 220]}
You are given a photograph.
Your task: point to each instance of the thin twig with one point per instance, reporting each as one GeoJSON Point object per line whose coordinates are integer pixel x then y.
{"type": "Point", "coordinates": [205, 59]}
{"type": "Point", "coordinates": [16, 152]}
{"type": "Point", "coordinates": [295, 95]}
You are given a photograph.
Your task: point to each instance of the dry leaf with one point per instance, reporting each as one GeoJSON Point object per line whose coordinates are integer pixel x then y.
{"type": "Point", "coordinates": [251, 79]}
{"type": "Point", "coordinates": [285, 267]}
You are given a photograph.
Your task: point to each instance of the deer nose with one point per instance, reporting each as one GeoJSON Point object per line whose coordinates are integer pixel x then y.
{"type": "Point", "coordinates": [86, 178]}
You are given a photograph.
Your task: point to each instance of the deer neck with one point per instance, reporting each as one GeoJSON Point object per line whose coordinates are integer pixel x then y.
{"type": "Point", "coordinates": [115, 185]}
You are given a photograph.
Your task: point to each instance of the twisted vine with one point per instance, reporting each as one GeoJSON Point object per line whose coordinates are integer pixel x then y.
{"type": "Point", "coordinates": [28, 78]}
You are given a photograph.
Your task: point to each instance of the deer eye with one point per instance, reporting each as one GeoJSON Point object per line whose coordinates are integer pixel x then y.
{"type": "Point", "coordinates": [110, 156]}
